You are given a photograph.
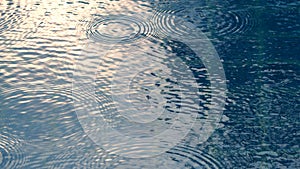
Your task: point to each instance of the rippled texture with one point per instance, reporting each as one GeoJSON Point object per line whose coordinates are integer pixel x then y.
{"type": "Point", "coordinates": [16, 23]}
{"type": "Point", "coordinates": [179, 157]}
{"type": "Point", "coordinates": [118, 29]}
{"type": "Point", "coordinates": [11, 14]}
{"type": "Point", "coordinates": [193, 158]}
{"type": "Point", "coordinates": [151, 95]}
{"type": "Point", "coordinates": [11, 153]}
{"type": "Point", "coordinates": [43, 43]}
{"type": "Point", "coordinates": [233, 22]}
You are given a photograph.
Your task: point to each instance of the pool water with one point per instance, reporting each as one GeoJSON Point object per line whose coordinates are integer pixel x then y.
{"type": "Point", "coordinates": [149, 84]}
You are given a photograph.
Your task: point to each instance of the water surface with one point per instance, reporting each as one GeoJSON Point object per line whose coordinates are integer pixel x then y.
{"type": "Point", "coordinates": [68, 62]}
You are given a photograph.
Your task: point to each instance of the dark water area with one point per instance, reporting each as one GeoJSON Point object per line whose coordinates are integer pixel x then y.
{"type": "Point", "coordinates": [149, 84]}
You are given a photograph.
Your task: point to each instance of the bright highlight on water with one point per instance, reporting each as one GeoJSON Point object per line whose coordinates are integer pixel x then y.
{"type": "Point", "coordinates": [149, 84]}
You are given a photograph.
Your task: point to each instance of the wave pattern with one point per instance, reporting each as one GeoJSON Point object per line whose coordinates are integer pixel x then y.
{"type": "Point", "coordinates": [181, 156]}
{"type": "Point", "coordinates": [11, 152]}
{"type": "Point", "coordinates": [36, 101]}
{"type": "Point", "coordinates": [191, 157]}
{"type": "Point", "coordinates": [118, 29]}
{"type": "Point", "coordinates": [225, 23]}
{"type": "Point", "coordinates": [10, 15]}
{"type": "Point", "coordinates": [15, 21]}
{"type": "Point", "coordinates": [167, 23]}
{"type": "Point", "coordinates": [85, 155]}
{"type": "Point", "coordinates": [143, 98]}
{"type": "Point", "coordinates": [51, 128]}
{"type": "Point", "coordinates": [151, 87]}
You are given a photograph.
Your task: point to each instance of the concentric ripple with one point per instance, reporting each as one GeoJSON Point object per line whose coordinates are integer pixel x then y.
{"type": "Point", "coordinates": [118, 29]}
{"type": "Point", "coordinates": [46, 118]}
{"type": "Point", "coordinates": [222, 23]}
{"type": "Point", "coordinates": [42, 115]}
{"type": "Point", "coordinates": [234, 22]}
{"type": "Point", "coordinates": [166, 24]}
{"type": "Point", "coordinates": [225, 23]}
{"type": "Point", "coordinates": [181, 156]}
{"type": "Point", "coordinates": [167, 84]}
{"type": "Point", "coordinates": [148, 99]}
{"type": "Point", "coordinates": [188, 156]}
{"type": "Point", "coordinates": [82, 156]}
{"type": "Point", "coordinates": [11, 153]}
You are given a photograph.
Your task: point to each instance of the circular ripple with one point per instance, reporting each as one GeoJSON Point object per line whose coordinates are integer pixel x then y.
{"type": "Point", "coordinates": [178, 157]}
{"type": "Point", "coordinates": [118, 29]}
{"type": "Point", "coordinates": [136, 131]}
{"type": "Point", "coordinates": [50, 122]}
{"type": "Point", "coordinates": [51, 126]}
{"type": "Point", "coordinates": [78, 157]}
{"type": "Point", "coordinates": [188, 156]}
{"type": "Point", "coordinates": [146, 75]}
{"type": "Point", "coordinates": [86, 156]}
{"type": "Point", "coordinates": [225, 23]}
{"type": "Point", "coordinates": [234, 22]}
{"type": "Point", "coordinates": [167, 24]}
{"type": "Point", "coordinates": [11, 153]}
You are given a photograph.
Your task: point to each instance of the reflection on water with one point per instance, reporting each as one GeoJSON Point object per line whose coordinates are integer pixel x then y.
{"type": "Point", "coordinates": [15, 21]}
{"type": "Point", "coordinates": [144, 115]}
{"type": "Point", "coordinates": [42, 44]}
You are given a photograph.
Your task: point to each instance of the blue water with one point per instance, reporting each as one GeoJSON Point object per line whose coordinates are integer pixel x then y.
{"type": "Point", "coordinates": [149, 84]}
